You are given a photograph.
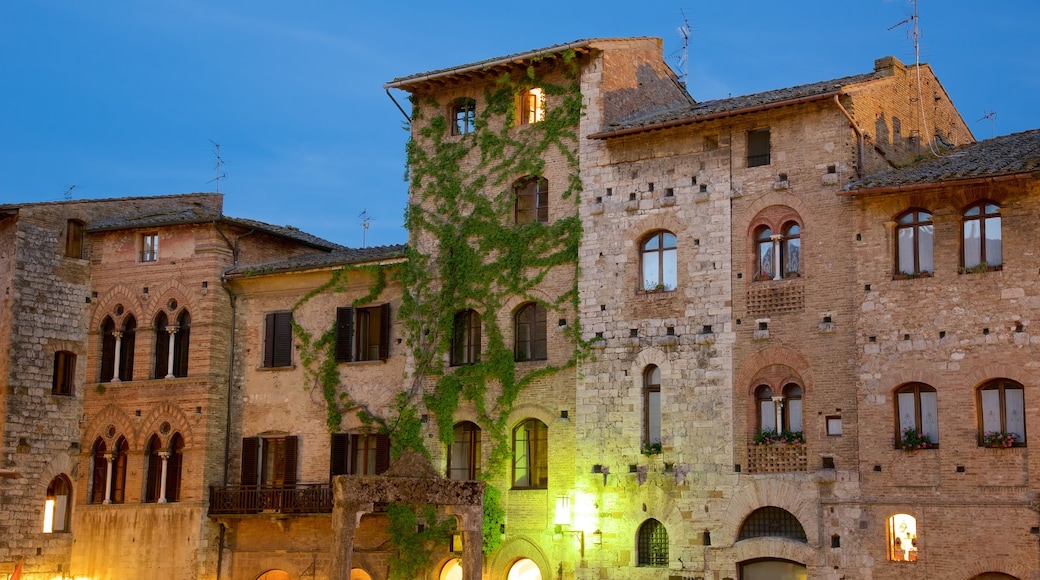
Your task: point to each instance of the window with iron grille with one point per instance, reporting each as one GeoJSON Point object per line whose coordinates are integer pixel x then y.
{"type": "Point", "coordinates": [652, 544]}
{"type": "Point", "coordinates": [772, 522]}
{"type": "Point", "coordinates": [758, 147]}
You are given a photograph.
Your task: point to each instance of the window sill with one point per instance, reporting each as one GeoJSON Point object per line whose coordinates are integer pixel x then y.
{"type": "Point", "coordinates": [276, 369]}
{"type": "Point", "coordinates": [911, 276]}
{"type": "Point", "coordinates": [979, 270]}
{"type": "Point", "coordinates": [360, 362]}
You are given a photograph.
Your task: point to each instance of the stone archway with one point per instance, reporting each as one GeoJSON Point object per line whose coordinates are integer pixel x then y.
{"type": "Point", "coordinates": [993, 576]}
{"type": "Point", "coordinates": [274, 575]}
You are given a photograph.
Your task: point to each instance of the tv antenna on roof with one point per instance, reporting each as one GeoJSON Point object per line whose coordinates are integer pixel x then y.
{"type": "Point", "coordinates": [989, 115]}
{"type": "Point", "coordinates": [365, 222]}
{"type": "Point", "coordinates": [68, 192]}
{"type": "Point", "coordinates": [218, 165]}
{"type": "Point", "coordinates": [682, 55]}
{"type": "Point", "coordinates": [915, 35]}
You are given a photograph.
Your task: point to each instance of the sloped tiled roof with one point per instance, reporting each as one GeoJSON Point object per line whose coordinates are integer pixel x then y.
{"type": "Point", "coordinates": [1008, 155]}
{"type": "Point", "coordinates": [186, 216]}
{"type": "Point", "coordinates": [731, 106]}
{"type": "Point", "coordinates": [340, 257]}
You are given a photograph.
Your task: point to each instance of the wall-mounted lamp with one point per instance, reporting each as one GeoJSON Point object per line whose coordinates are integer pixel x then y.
{"type": "Point", "coordinates": [563, 510]}
{"type": "Point", "coordinates": [597, 538]}
{"type": "Point", "coordinates": [455, 542]}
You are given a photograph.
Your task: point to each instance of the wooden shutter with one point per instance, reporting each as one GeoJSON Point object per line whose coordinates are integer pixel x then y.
{"type": "Point", "coordinates": [250, 451]}
{"type": "Point", "coordinates": [291, 451]}
{"type": "Point", "coordinates": [282, 339]}
{"type": "Point", "coordinates": [384, 332]}
{"type": "Point", "coordinates": [344, 332]}
{"type": "Point", "coordinates": [382, 453]}
{"type": "Point", "coordinates": [339, 463]}
{"type": "Point", "coordinates": [269, 340]}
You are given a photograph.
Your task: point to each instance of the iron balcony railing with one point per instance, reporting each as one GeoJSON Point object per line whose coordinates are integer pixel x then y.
{"type": "Point", "coordinates": [301, 498]}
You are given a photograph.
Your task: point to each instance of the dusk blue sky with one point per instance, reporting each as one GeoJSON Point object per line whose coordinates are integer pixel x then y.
{"type": "Point", "coordinates": [122, 98]}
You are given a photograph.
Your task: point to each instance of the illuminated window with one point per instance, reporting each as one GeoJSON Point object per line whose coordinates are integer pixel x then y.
{"type": "Point", "coordinates": [659, 262]}
{"type": "Point", "coordinates": [982, 241]}
{"type": "Point", "coordinates": [530, 341]}
{"type": "Point", "coordinates": [464, 116]}
{"type": "Point", "coordinates": [1002, 411]}
{"type": "Point", "coordinates": [651, 405]}
{"type": "Point", "coordinates": [64, 373]}
{"type": "Point", "coordinates": [652, 544]}
{"type": "Point", "coordinates": [532, 106]}
{"type": "Point", "coordinates": [532, 200]}
{"type": "Point", "coordinates": [465, 338]}
{"type": "Point", "coordinates": [149, 247]}
{"type": "Point", "coordinates": [464, 452]}
{"type": "Point", "coordinates": [530, 455]}
{"type": "Point", "coordinates": [902, 538]}
{"type": "Point", "coordinates": [57, 510]}
{"type": "Point", "coordinates": [914, 240]}
{"type": "Point", "coordinates": [917, 408]}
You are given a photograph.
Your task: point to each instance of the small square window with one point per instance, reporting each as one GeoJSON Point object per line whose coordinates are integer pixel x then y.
{"type": "Point", "coordinates": [149, 247]}
{"type": "Point", "coordinates": [532, 106]}
{"type": "Point", "coordinates": [834, 426]}
{"type": "Point", "coordinates": [464, 117]}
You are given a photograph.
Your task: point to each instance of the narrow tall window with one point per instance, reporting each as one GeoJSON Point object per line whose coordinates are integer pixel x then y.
{"type": "Point", "coordinates": [792, 415]}
{"type": "Point", "coordinates": [64, 373]}
{"type": "Point", "coordinates": [464, 116]}
{"type": "Point", "coordinates": [764, 269]}
{"type": "Point", "coordinates": [766, 409]}
{"type": "Point", "coordinates": [651, 405]}
{"type": "Point", "coordinates": [181, 340]}
{"type": "Point", "coordinates": [917, 408]}
{"type": "Point", "coordinates": [659, 262]}
{"type": "Point", "coordinates": [162, 346]}
{"type": "Point", "coordinates": [464, 452]}
{"type": "Point", "coordinates": [363, 334]}
{"type": "Point", "coordinates": [153, 483]}
{"type": "Point", "coordinates": [530, 342]}
{"type": "Point", "coordinates": [278, 339]}
{"type": "Point", "coordinates": [791, 245]}
{"type": "Point", "coordinates": [652, 544]}
{"type": "Point", "coordinates": [126, 349]}
{"type": "Point", "coordinates": [532, 200]}
{"type": "Point", "coordinates": [149, 247]}
{"type": "Point", "coordinates": [57, 510]}
{"type": "Point", "coordinates": [982, 237]}
{"type": "Point", "coordinates": [1002, 411]}
{"type": "Point", "coordinates": [902, 538]}
{"type": "Point", "coordinates": [99, 472]}
{"type": "Point", "coordinates": [74, 239]}
{"type": "Point", "coordinates": [465, 338]}
{"type": "Point", "coordinates": [530, 455]}
{"type": "Point", "coordinates": [914, 243]}
{"type": "Point", "coordinates": [758, 151]}
{"type": "Point", "coordinates": [532, 106]}
{"type": "Point", "coordinates": [108, 349]}
{"type": "Point", "coordinates": [174, 466]}
{"type": "Point", "coordinates": [119, 466]}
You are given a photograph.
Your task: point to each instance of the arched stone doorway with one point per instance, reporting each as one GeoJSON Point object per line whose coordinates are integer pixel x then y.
{"type": "Point", "coordinates": [274, 575]}
{"type": "Point", "coordinates": [772, 569]}
{"type": "Point", "coordinates": [524, 569]}
{"type": "Point", "coordinates": [359, 574]}
{"type": "Point", "coordinates": [994, 576]}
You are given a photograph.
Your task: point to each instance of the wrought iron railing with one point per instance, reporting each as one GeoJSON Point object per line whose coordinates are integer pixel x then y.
{"type": "Point", "coordinates": [301, 498]}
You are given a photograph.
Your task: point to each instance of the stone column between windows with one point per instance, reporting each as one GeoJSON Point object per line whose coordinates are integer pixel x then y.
{"type": "Point", "coordinates": [165, 455]}
{"type": "Point", "coordinates": [110, 458]}
{"type": "Point", "coordinates": [169, 356]}
{"type": "Point", "coordinates": [115, 363]}
{"type": "Point", "coordinates": [346, 515]}
{"type": "Point", "coordinates": [778, 408]}
{"type": "Point", "coordinates": [777, 274]}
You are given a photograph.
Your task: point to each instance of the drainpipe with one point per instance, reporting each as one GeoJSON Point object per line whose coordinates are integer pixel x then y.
{"type": "Point", "coordinates": [859, 135]}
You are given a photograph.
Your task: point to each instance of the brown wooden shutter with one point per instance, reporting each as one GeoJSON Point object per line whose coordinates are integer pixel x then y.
{"type": "Point", "coordinates": [291, 451]}
{"type": "Point", "coordinates": [382, 453]}
{"type": "Point", "coordinates": [384, 332]}
{"type": "Point", "coordinates": [344, 333]}
{"type": "Point", "coordinates": [269, 325]}
{"type": "Point", "coordinates": [339, 463]}
{"type": "Point", "coordinates": [282, 339]}
{"type": "Point", "coordinates": [250, 452]}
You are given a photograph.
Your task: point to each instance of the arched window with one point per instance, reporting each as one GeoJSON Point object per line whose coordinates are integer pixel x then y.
{"type": "Point", "coordinates": [917, 413]}
{"type": "Point", "coordinates": [791, 246]}
{"type": "Point", "coordinates": [162, 346]}
{"type": "Point", "coordinates": [982, 238]}
{"type": "Point", "coordinates": [464, 452]}
{"type": "Point", "coordinates": [181, 340]}
{"type": "Point", "coordinates": [1002, 413]}
{"type": "Point", "coordinates": [530, 455]}
{"type": "Point", "coordinates": [651, 405]}
{"type": "Point", "coordinates": [452, 570]}
{"type": "Point", "coordinates": [126, 350]}
{"type": "Point", "coordinates": [153, 486]}
{"type": "Point", "coordinates": [174, 467]}
{"type": "Point", "coordinates": [98, 472]}
{"type": "Point", "coordinates": [659, 262]}
{"type": "Point", "coordinates": [779, 414]}
{"type": "Point", "coordinates": [652, 544]}
{"type": "Point", "coordinates": [792, 408]}
{"type": "Point", "coordinates": [108, 349]}
{"type": "Point", "coordinates": [524, 569]}
{"type": "Point", "coordinates": [530, 340]}
{"type": "Point", "coordinates": [57, 510]}
{"type": "Point", "coordinates": [532, 200]}
{"type": "Point", "coordinates": [914, 231]}
{"type": "Point", "coordinates": [465, 338]}
{"type": "Point", "coordinates": [532, 106]}
{"type": "Point", "coordinates": [463, 116]}
{"type": "Point", "coordinates": [772, 522]}
{"type": "Point", "coordinates": [902, 538]}
{"type": "Point", "coordinates": [122, 449]}
{"type": "Point", "coordinates": [764, 269]}
{"type": "Point", "coordinates": [766, 409]}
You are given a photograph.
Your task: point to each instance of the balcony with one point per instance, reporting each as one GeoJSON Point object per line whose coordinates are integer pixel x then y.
{"type": "Point", "coordinates": [777, 458]}
{"type": "Point", "coordinates": [302, 498]}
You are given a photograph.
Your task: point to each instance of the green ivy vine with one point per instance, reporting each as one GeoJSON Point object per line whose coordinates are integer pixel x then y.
{"type": "Point", "coordinates": [411, 545]}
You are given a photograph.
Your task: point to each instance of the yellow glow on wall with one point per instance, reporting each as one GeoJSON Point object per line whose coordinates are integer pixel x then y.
{"type": "Point", "coordinates": [48, 516]}
{"type": "Point", "coordinates": [563, 511]}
